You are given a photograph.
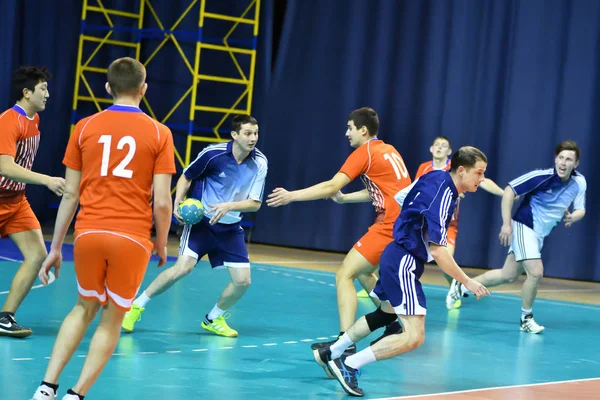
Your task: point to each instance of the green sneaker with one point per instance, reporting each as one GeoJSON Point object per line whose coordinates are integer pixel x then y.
{"type": "Point", "coordinates": [218, 326]}
{"type": "Point", "coordinates": [131, 317]}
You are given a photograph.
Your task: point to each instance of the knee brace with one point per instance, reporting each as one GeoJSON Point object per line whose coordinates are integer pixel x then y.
{"type": "Point", "coordinates": [379, 318]}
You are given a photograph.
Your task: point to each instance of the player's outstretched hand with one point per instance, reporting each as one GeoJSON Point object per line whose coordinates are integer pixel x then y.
{"type": "Point", "coordinates": [56, 185]}
{"type": "Point", "coordinates": [161, 251]}
{"type": "Point", "coordinates": [279, 197]}
{"type": "Point", "coordinates": [505, 235]}
{"type": "Point", "coordinates": [218, 211]}
{"type": "Point", "coordinates": [477, 288]}
{"type": "Point", "coordinates": [54, 259]}
{"type": "Point", "coordinates": [568, 219]}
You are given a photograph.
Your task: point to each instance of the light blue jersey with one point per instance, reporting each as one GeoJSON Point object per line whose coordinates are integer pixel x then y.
{"type": "Point", "coordinates": [547, 198]}
{"type": "Point", "coordinates": [218, 178]}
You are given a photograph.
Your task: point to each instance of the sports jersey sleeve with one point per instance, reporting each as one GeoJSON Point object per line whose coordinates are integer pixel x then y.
{"type": "Point", "coordinates": [72, 158]}
{"type": "Point", "coordinates": [165, 159]}
{"type": "Point", "coordinates": [401, 195]}
{"type": "Point", "coordinates": [357, 163]}
{"type": "Point", "coordinates": [530, 181]}
{"type": "Point", "coordinates": [9, 135]}
{"type": "Point", "coordinates": [258, 185]}
{"type": "Point", "coordinates": [201, 165]}
{"type": "Point", "coordinates": [437, 214]}
{"type": "Point", "coordinates": [579, 202]}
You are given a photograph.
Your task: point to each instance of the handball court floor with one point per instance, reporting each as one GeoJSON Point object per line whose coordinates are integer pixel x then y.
{"type": "Point", "coordinates": [476, 352]}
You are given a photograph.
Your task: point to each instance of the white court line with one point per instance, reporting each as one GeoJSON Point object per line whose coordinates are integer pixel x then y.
{"type": "Point", "coordinates": [495, 293]}
{"type": "Point", "coordinates": [10, 259]}
{"type": "Point", "coordinates": [486, 389]}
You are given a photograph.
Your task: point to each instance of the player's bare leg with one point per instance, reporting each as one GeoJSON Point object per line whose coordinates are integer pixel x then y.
{"type": "Point", "coordinates": [69, 337]}
{"type": "Point", "coordinates": [240, 282]}
{"type": "Point", "coordinates": [535, 272]}
{"type": "Point", "coordinates": [167, 278]}
{"type": "Point", "coordinates": [214, 321]}
{"type": "Point", "coordinates": [31, 245]}
{"type": "Point", "coordinates": [354, 265]}
{"type": "Point", "coordinates": [102, 346]}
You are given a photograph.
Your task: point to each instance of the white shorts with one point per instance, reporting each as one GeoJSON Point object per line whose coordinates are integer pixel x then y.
{"type": "Point", "coordinates": [525, 243]}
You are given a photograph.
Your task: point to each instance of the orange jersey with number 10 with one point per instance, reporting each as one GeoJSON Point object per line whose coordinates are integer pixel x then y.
{"type": "Point", "coordinates": [384, 174]}
{"type": "Point", "coordinates": [118, 152]}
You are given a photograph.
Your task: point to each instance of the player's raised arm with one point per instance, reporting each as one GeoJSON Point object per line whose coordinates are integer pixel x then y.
{"type": "Point", "coordinates": [323, 190]}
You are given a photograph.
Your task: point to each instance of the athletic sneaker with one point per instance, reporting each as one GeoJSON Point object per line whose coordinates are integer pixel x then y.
{"type": "Point", "coordinates": [131, 317]}
{"type": "Point", "coordinates": [9, 327]}
{"type": "Point", "coordinates": [453, 298]}
{"type": "Point", "coordinates": [321, 345]}
{"type": "Point", "coordinates": [322, 357]}
{"type": "Point", "coordinates": [346, 376]}
{"type": "Point", "coordinates": [44, 393]}
{"type": "Point", "coordinates": [70, 397]}
{"type": "Point", "coordinates": [392, 329]}
{"type": "Point", "coordinates": [530, 326]}
{"type": "Point", "coordinates": [218, 326]}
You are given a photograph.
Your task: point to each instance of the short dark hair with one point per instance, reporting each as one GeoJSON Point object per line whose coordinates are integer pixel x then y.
{"type": "Point", "coordinates": [26, 78]}
{"type": "Point", "coordinates": [365, 117]}
{"type": "Point", "coordinates": [125, 76]}
{"type": "Point", "coordinates": [239, 120]}
{"type": "Point", "coordinates": [568, 145]}
{"type": "Point", "coordinates": [443, 138]}
{"type": "Point", "coordinates": [466, 156]}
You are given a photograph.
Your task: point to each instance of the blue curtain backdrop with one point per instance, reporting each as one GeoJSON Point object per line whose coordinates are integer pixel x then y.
{"type": "Point", "coordinates": [513, 78]}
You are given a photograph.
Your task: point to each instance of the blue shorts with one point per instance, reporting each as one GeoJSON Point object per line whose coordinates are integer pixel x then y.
{"type": "Point", "coordinates": [398, 283]}
{"type": "Point", "coordinates": [224, 244]}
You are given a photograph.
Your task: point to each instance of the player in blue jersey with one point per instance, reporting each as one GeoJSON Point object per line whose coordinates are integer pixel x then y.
{"type": "Point", "coordinates": [547, 197]}
{"type": "Point", "coordinates": [228, 179]}
{"type": "Point", "coordinates": [420, 236]}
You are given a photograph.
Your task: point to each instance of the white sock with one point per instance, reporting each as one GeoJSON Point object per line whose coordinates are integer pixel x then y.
{"type": "Point", "coordinates": [338, 347]}
{"type": "Point", "coordinates": [524, 313]}
{"type": "Point", "coordinates": [361, 358]}
{"type": "Point", "coordinates": [216, 312]}
{"type": "Point", "coordinates": [142, 300]}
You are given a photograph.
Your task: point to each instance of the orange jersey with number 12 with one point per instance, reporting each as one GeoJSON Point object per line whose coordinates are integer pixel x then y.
{"type": "Point", "coordinates": [118, 152]}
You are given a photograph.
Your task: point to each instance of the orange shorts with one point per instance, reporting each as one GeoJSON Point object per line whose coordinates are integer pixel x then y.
{"type": "Point", "coordinates": [17, 217]}
{"type": "Point", "coordinates": [451, 235]}
{"type": "Point", "coordinates": [372, 244]}
{"type": "Point", "coordinates": [110, 265]}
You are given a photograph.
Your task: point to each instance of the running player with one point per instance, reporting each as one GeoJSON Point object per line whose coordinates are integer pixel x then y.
{"type": "Point", "coordinates": [441, 149]}
{"type": "Point", "coordinates": [119, 166]}
{"type": "Point", "coordinates": [548, 196]}
{"type": "Point", "coordinates": [384, 174]}
{"type": "Point", "coordinates": [19, 142]}
{"type": "Point", "coordinates": [419, 237]}
{"type": "Point", "coordinates": [229, 179]}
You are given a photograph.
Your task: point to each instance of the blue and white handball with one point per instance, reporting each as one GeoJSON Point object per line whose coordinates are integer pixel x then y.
{"type": "Point", "coordinates": [191, 211]}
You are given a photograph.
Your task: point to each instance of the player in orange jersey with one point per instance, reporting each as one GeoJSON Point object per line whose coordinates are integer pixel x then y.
{"type": "Point", "coordinates": [19, 142]}
{"type": "Point", "coordinates": [384, 174]}
{"type": "Point", "coordinates": [441, 149]}
{"type": "Point", "coordinates": [119, 166]}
